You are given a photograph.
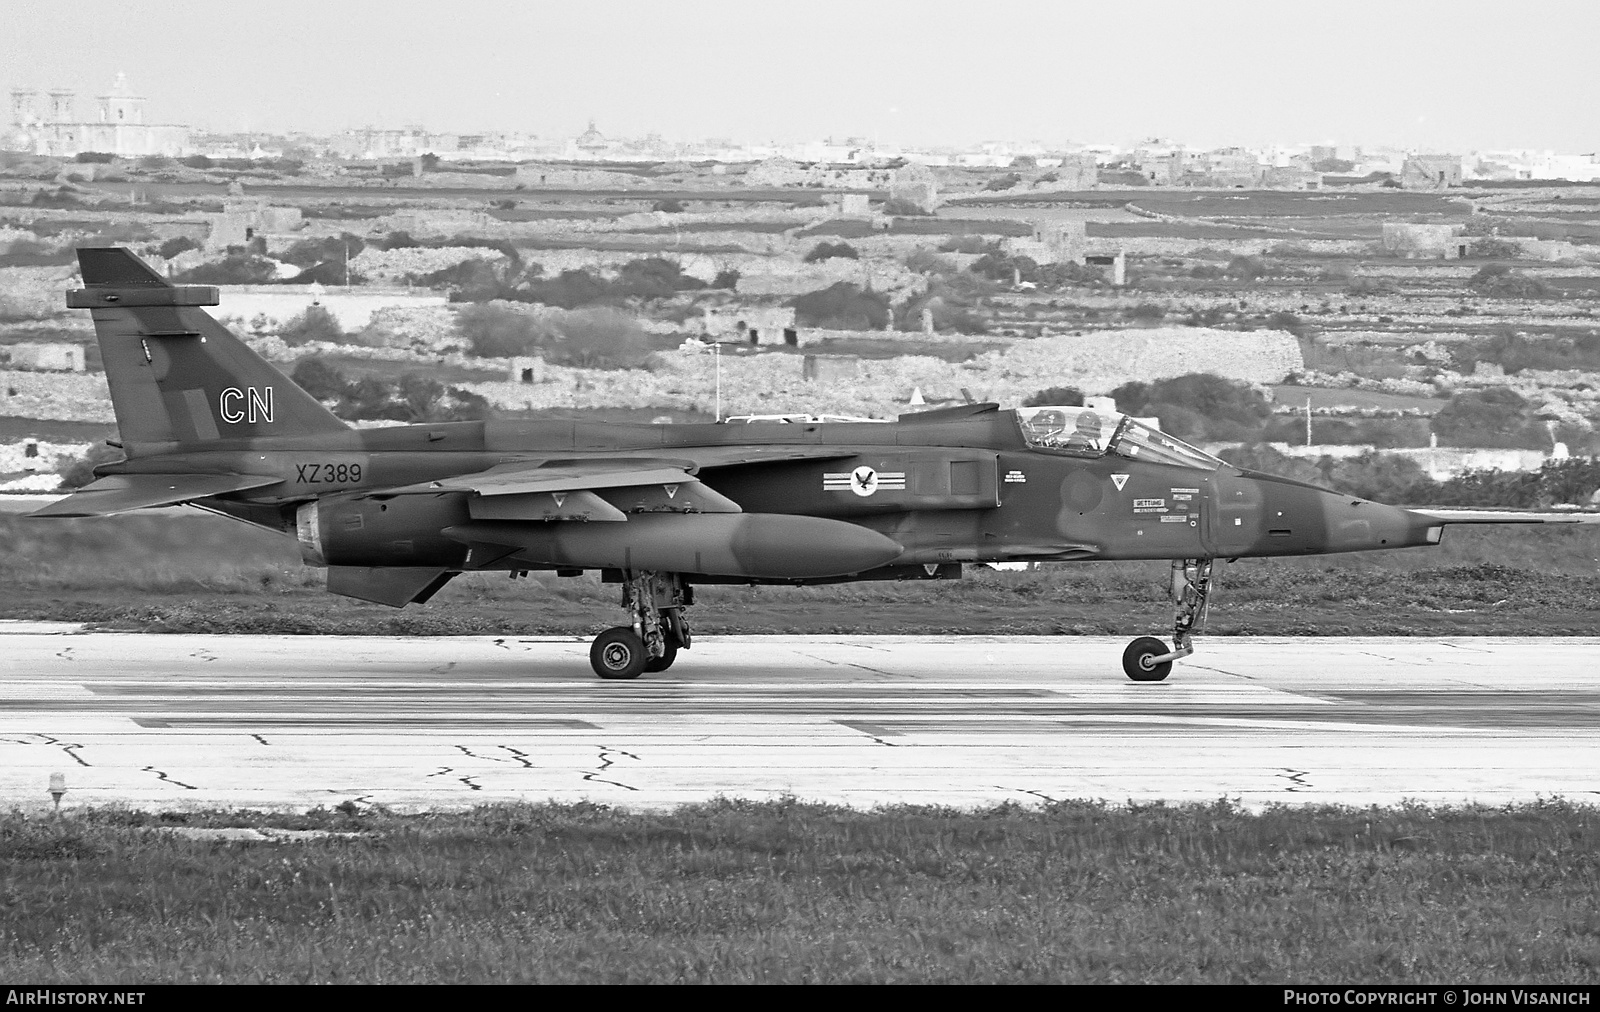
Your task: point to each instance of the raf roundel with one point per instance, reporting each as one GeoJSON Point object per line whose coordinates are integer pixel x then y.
{"type": "Point", "coordinates": [863, 480]}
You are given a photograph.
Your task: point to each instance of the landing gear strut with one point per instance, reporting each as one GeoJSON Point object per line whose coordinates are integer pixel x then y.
{"type": "Point", "coordinates": [656, 601]}
{"type": "Point", "coordinates": [1147, 659]}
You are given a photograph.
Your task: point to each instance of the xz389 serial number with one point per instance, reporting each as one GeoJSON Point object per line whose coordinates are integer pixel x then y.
{"type": "Point", "coordinates": [327, 474]}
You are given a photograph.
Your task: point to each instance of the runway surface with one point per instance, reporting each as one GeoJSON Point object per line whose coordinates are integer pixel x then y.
{"type": "Point", "coordinates": [177, 722]}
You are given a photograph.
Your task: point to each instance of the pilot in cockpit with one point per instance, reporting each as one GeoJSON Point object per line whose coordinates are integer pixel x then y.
{"type": "Point", "coordinates": [1086, 437]}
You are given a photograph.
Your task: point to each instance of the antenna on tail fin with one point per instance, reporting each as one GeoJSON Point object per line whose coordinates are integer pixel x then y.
{"type": "Point", "coordinates": [177, 375]}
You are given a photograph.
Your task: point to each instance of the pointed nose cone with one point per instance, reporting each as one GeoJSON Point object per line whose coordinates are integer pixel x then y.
{"type": "Point", "coordinates": [1356, 525]}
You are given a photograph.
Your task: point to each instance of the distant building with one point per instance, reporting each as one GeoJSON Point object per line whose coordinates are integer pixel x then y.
{"type": "Point", "coordinates": [914, 185]}
{"type": "Point", "coordinates": [1430, 172]}
{"type": "Point", "coordinates": [52, 127]}
{"type": "Point", "coordinates": [44, 357]}
{"type": "Point", "coordinates": [752, 323]}
{"type": "Point", "coordinates": [244, 218]}
{"type": "Point", "coordinates": [1414, 241]}
{"type": "Point", "coordinates": [1290, 177]}
{"type": "Point", "coordinates": [786, 172]}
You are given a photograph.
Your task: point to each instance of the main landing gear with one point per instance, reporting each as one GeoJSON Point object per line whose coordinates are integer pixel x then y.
{"type": "Point", "coordinates": [1147, 659]}
{"type": "Point", "coordinates": [656, 601]}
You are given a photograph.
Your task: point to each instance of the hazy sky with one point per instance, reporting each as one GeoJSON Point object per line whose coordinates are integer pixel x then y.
{"type": "Point", "coordinates": [1435, 74]}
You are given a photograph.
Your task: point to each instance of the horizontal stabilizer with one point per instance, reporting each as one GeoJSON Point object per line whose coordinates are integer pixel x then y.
{"type": "Point", "coordinates": [395, 586]}
{"type": "Point", "coordinates": [119, 493]}
{"type": "Point", "coordinates": [1494, 516]}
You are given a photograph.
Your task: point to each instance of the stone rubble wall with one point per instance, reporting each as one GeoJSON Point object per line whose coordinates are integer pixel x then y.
{"type": "Point", "coordinates": [35, 293]}
{"type": "Point", "coordinates": [79, 397]}
{"type": "Point", "coordinates": [395, 264]}
{"type": "Point", "coordinates": [774, 382]}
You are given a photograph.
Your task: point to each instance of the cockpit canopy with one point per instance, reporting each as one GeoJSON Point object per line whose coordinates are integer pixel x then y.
{"type": "Point", "coordinates": [1090, 432]}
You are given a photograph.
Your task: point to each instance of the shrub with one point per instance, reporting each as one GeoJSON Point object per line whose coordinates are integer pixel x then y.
{"type": "Point", "coordinates": [1246, 268]}
{"type": "Point", "coordinates": [668, 206]}
{"type": "Point", "coordinates": [903, 209]}
{"type": "Point", "coordinates": [1003, 182]}
{"type": "Point", "coordinates": [497, 331]}
{"type": "Point", "coordinates": [969, 244]}
{"type": "Point", "coordinates": [319, 379]}
{"type": "Point", "coordinates": [726, 279]}
{"type": "Point", "coordinates": [1515, 352]}
{"type": "Point", "coordinates": [94, 157]}
{"type": "Point", "coordinates": [841, 306]}
{"type": "Point", "coordinates": [178, 244]}
{"type": "Point", "coordinates": [315, 324]}
{"type": "Point", "coordinates": [596, 338]}
{"type": "Point", "coordinates": [332, 249]}
{"type": "Point", "coordinates": [1061, 397]}
{"type": "Point", "coordinates": [926, 261]}
{"type": "Point", "coordinates": [1282, 320]}
{"type": "Point", "coordinates": [468, 281]}
{"type": "Point", "coordinates": [831, 250]}
{"type": "Point", "coordinates": [1503, 282]}
{"type": "Point", "coordinates": [399, 239]}
{"type": "Point", "coordinates": [81, 471]}
{"type": "Point", "coordinates": [1495, 248]}
{"type": "Point", "coordinates": [234, 269]}
{"type": "Point", "coordinates": [1147, 312]}
{"type": "Point", "coordinates": [195, 162]}
{"type": "Point", "coordinates": [1371, 286]}
{"type": "Point", "coordinates": [1491, 417]}
{"type": "Point", "coordinates": [1198, 406]}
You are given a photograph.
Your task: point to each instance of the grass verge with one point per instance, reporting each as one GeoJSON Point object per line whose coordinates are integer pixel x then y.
{"type": "Point", "coordinates": [207, 574]}
{"type": "Point", "coordinates": [788, 892]}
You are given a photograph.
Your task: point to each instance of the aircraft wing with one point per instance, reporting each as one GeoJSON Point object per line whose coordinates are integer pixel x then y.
{"type": "Point", "coordinates": [525, 477]}
{"type": "Point", "coordinates": [599, 489]}
{"type": "Point", "coordinates": [1506, 516]}
{"type": "Point", "coordinates": [119, 493]}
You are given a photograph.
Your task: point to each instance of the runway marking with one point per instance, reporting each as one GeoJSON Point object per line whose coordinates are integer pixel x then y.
{"type": "Point", "coordinates": [1295, 777]}
{"type": "Point", "coordinates": [68, 748]}
{"type": "Point", "coordinates": [876, 732]}
{"type": "Point", "coordinates": [162, 776]}
{"type": "Point", "coordinates": [1489, 721]}
{"type": "Point", "coordinates": [490, 758]}
{"type": "Point", "coordinates": [605, 764]}
{"type": "Point", "coordinates": [1024, 790]}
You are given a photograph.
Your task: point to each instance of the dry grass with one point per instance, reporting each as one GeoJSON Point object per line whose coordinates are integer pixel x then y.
{"type": "Point", "coordinates": [785, 892]}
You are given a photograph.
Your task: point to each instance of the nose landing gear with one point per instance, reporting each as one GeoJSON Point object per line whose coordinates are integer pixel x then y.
{"type": "Point", "coordinates": [1147, 659]}
{"type": "Point", "coordinates": [659, 629]}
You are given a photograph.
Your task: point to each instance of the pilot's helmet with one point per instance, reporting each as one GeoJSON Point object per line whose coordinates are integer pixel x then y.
{"type": "Point", "coordinates": [1089, 424]}
{"type": "Point", "coordinates": [1050, 421]}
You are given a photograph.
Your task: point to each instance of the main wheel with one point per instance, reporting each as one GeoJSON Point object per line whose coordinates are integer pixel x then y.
{"type": "Point", "coordinates": [1137, 660]}
{"type": "Point", "coordinates": [663, 662]}
{"type": "Point", "coordinates": [618, 653]}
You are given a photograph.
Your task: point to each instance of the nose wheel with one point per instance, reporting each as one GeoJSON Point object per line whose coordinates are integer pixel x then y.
{"type": "Point", "coordinates": [1147, 659]}
{"type": "Point", "coordinates": [1141, 663]}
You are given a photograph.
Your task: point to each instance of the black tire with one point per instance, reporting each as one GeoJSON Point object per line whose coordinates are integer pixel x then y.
{"type": "Point", "coordinates": [663, 662]}
{"type": "Point", "coordinates": [1136, 660]}
{"type": "Point", "coordinates": [618, 653]}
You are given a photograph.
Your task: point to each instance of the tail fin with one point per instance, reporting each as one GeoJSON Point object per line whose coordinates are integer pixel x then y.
{"type": "Point", "coordinates": [176, 375]}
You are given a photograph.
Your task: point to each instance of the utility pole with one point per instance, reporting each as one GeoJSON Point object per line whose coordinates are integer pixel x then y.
{"type": "Point", "coordinates": [716, 353]}
{"type": "Point", "coordinates": [1308, 421]}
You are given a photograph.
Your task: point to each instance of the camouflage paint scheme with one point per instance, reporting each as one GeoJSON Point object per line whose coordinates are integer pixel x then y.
{"type": "Point", "coordinates": [396, 512]}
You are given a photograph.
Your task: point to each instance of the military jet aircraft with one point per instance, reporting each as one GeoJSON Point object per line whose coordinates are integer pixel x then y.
{"type": "Point", "coordinates": [395, 513]}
